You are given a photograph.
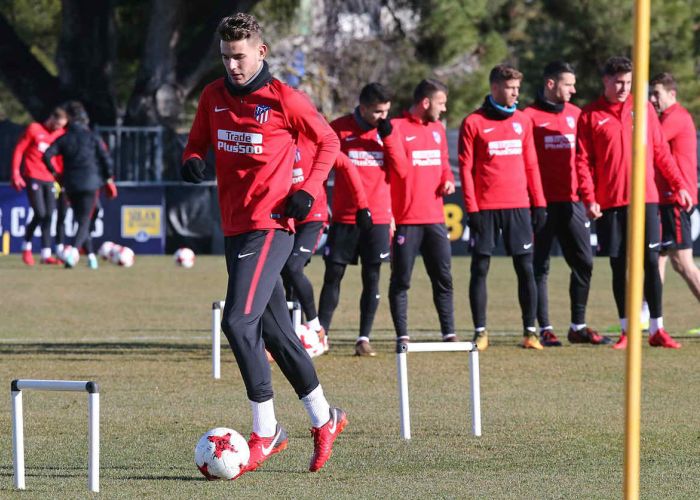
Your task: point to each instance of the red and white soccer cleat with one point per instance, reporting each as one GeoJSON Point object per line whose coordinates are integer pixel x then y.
{"type": "Point", "coordinates": [263, 448]}
{"type": "Point", "coordinates": [621, 344]}
{"type": "Point", "coordinates": [662, 339]}
{"type": "Point", "coordinates": [324, 437]}
{"type": "Point", "coordinates": [27, 257]}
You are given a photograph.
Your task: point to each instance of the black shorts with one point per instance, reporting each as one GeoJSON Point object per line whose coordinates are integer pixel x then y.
{"type": "Point", "coordinates": [346, 242]}
{"type": "Point", "coordinates": [611, 230]}
{"type": "Point", "coordinates": [306, 239]}
{"type": "Point", "coordinates": [675, 228]}
{"type": "Point", "coordinates": [513, 223]}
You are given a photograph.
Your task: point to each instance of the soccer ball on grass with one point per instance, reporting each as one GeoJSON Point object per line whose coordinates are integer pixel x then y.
{"type": "Point", "coordinates": [221, 453]}
{"type": "Point", "coordinates": [184, 257]}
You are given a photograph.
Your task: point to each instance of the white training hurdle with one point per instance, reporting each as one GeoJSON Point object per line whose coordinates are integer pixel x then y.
{"type": "Point", "coordinates": [402, 368]}
{"type": "Point", "coordinates": [216, 309]}
{"type": "Point", "coordinates": [93, 393]}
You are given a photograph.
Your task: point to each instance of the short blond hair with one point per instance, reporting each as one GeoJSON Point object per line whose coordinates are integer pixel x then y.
{"type": "Point", "coordinates": [503, 73]}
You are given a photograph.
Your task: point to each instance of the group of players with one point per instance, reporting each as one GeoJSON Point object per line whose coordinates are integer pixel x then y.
{"type": "Point", "coordinates": [528, 176]}
{"type": "Point", "coordinates": [61, 163]}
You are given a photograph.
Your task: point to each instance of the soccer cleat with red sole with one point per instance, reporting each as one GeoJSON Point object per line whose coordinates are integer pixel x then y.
{"type": "Point", "coordinates": [50, 261]}
{"type": "Point", "coordinates": [27, 257]}
{"type": "Point", "coordinates": [262, 448]}
{"type": "Point", "coordinates": [621, 344]}
{"type": "Point", "coordinates": [662, 339]}
{"type": "Point", "coordinates": [324, 437]}
{"type": "Point", "coordinates": [549, 339]}
{"type": "Point", "coordinates": [587, 336]}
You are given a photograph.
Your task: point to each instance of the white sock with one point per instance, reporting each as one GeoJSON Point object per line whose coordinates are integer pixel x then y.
{"type": "Point", "coordinates": [623, 324]}
{"type": "Point", "coordinates": [645, 307]}
{"type": "Point", "coordinates": [362, 338]}
{"type": "Point", "coordinates": [45, 253]}
{"type": "Point", "coordinates": [317, 407]}
{"type": "Point", "coordinates": [59, 248]}
{"type": "Point", "coordinates": [479, 329]}
{"type": "Point", "coordinates": [314, 324]}
{"type": "Point", "coordinates": [264, 421]}
{"type": "Point", "coordinates": [545, 328]}
{"type": "Point", "coordinates": [26, 245]}
{"type": "Point", "coordinates": [576, 327]}
{"type": "Point", "coordinates": [655, 324]}
{"type": "Point", "coordinates": [531, 329]}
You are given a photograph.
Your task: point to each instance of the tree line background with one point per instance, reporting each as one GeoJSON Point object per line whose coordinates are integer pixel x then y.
{"type": "Point", "coordinates": [143, 62]}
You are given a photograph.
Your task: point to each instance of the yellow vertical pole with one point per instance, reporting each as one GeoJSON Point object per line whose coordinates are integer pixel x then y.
{"type": "Point", "coordinates": [635, 250]}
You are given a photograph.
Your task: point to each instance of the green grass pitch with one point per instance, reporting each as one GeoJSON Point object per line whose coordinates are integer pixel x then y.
{"type": "Point", "coordinates": [552, 421]}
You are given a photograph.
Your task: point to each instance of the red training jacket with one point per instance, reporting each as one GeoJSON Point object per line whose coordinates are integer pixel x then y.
{"type": "Point", "coordinates": [416, 155]}
{"type": "Point", "coordinates": [555, 142]}
{"type": "Point", "coordinates": [254, 138]}
{"type": "Point", "coordinates": [303, 161]}
{"type": "Point", "coordinates": [361, 177]}
{"type": "Point", "coordinates": [31, 146]}
{"type": "Point", "coordinates": [498, 163]}
{"type": "Point", "coordinates": [679, 130]}
{"type": "Point", "coordinates": [604, 154]}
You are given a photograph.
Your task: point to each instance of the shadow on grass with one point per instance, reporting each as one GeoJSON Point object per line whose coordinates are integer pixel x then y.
{"type": "Point", "coordinates": [92, 348]}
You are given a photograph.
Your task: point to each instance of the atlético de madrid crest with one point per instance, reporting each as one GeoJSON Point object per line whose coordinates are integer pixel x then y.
{"type": "Point", "coordinates": [518, 128]}
{"type": "Point", "coordinates": [436, 136]}
{"type": "Point", "coordinates": [570, 121]}
{"type": "Point", "coordinates": [262, 113]}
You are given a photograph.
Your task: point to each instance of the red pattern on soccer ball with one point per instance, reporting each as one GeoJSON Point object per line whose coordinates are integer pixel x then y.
{"type": "Point", "coordinates": [222, 443]}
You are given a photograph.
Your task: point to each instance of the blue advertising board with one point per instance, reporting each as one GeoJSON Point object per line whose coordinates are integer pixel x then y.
{"type": "Point", "coordinates": [136, 218]}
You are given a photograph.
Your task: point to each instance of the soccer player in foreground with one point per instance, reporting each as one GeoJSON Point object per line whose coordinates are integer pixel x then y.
{"type": "Point", "coordinates": [41, 190]}
{"type": "Point", "coordinates": [679, 130]}
{"type": "Point", "coordinates": [361, 214]}
{"type": "Point", "coordinates": [415, 150]}
{"type": "Point", "coordinates": [554, 119]}
{"type": "Point", "coordinates": [252, 120]}
{"type": "Point", "coordinates": [604, 163]}
{"type": "Point", "coordinates": [502, 194]}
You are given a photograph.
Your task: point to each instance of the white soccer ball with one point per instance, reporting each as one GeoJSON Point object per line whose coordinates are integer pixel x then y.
{"type": "Point", "coordinates": [105, 250]}
{"type": "Point", "coordinates": [184, 257]}
{"type": "Point", "coordinates": [114, 253]}
{"type": "Point", "coordinates": [122, 256]}
{"type": "Point", "coordinates": [221, 453]}
{"type": "Point", "coordinates": [70, 255]}
{"type": "Point", "coordinates": [310, 340]}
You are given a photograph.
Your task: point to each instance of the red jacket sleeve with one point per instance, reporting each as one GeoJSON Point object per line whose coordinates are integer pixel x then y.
{"type": "Point", "coordinates": [349, 169]}
{"type": "Point", "coordinates": [663, 159]}
{"type": "Point", "coordinates": [20, 148]}
{"type": "Point", "coordinates": [395, 156]}
{"type": "Point", "coordinates": [532, 170]}
{"type": "Point", "coordinates": [199, 139]}
{"type": "Point", "coordinates": [447, 174]}
{"type": "Point", "coordinates": [303, 116]}
{"type": "Point", "coordinates": [465, 147]}
{"type": "Point", "coordinates": [584, 158]}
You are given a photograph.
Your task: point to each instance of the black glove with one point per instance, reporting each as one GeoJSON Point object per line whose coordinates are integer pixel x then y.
{"type": "Point", "coordinates": [193, 170]}
{"type": "Point", "coordinates": [363, 219]}
{"type": "Point", "coordinates": [384, 127]}
{"type": "Point", "coordinates": [475, 222]}
{"type": "Point", "coordinates": [539, 218]}
{"type": "Point", "coordinates": [299, 205]}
